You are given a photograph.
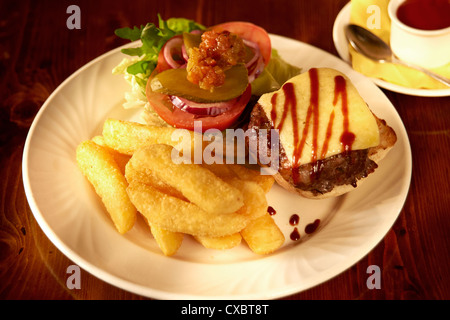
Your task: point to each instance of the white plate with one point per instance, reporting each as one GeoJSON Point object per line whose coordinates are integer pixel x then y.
{"type": "Point", "coordinates": [341, 44]}
{"type": "Point", "coordinates": [73, 218]}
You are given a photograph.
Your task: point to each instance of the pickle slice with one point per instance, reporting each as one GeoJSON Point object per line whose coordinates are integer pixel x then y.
{"type": "Point", "coordinates": [174, 82]}
{"type": "Point", "coordinates": [191, 40]}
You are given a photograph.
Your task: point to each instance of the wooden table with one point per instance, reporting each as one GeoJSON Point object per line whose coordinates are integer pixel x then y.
{"type": "Point", "coordinates": [38, 52]}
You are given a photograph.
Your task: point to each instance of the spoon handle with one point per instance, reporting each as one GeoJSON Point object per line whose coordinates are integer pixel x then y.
{"type": "Point", "coordinates": [438, 77]}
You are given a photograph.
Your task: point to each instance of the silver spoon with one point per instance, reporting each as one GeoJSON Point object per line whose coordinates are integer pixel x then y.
{"type": "Point", "coordinates": [368, 44]}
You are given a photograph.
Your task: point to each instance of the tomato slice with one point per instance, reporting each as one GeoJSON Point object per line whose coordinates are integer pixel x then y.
{"type": "Point", "coordinates": [251, 32]}
{"type": "Point", "coordinates": [184, 120]}
{"type": "Point", "coordinates": [181, 119]}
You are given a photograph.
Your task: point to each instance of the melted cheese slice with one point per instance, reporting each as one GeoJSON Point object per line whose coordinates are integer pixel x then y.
{"type": "Point", "coordinates": [360, 120]}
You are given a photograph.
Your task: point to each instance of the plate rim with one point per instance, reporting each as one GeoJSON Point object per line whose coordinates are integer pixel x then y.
{"type": "Point", "coordinates": [338, 34]}
{"type": "Point", "coordinates": [145, 290]}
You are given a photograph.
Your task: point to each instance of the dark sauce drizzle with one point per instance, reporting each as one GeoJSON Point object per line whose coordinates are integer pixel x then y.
{"type": "Point", "coordinates": [340, 89]}
{"type": "Point", "coordinates": [312, 118]}
{"type": "Point", "coordinates": [310, 228]}
{"type": "Point", "coordinates": [295, 235]}
{"type": "Point", "coordinates": [294, 219]}
{"type": "Point", "coordinates": [273, 112]}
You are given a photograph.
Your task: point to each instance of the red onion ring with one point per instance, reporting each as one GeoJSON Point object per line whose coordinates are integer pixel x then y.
{"type": "Point", "coordinates": [204, 109]}
{"type": "Point", "coordinates": [184, 52]}
{"type": "Point", "coordinates": [256, 63]}
{"type": "Point", "coordinates": [175, 43]}
{"type": "Point", "coordinates": [256, 52]}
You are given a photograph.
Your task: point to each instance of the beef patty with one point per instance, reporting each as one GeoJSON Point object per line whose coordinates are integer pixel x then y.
{"type": "Point", "coordinates": [321, 176]}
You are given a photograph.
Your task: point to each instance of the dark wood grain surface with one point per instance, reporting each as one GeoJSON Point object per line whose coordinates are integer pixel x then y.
{"type": "Point", "coordinates": [38, 52]}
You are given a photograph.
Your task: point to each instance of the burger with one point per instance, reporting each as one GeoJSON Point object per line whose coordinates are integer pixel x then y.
{"type": "Point", "coordinates": [329, 141]}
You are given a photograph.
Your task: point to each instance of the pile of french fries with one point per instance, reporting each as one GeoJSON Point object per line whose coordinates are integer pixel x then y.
{"type": "Point", "coordinates": [131, 169]}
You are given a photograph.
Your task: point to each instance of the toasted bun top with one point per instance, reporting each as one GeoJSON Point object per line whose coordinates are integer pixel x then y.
{"type": "Point", "coordinates": [319, 114]}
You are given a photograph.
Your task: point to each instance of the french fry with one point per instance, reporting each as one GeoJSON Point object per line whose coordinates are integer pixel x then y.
{"type": "Point", "coordinates": [132, 169]}
{"type": "Point", "coordinates": [176, 215]}
{"type": "Point", "coordinates": [220, 243]}
{"type": "Point", "coordinates": [99, 167]}
{"type": "Point", "coordinates": [262, 235]}
{"type": "Point", "coordinates": [244, 173]}
{"type": "Point", "coordinates": [120, 158]}
{"type": "Point", "coordinates": [144, 175]}
{"type": "Point", "coordinates": [99, 140]}
{"type": "Point", "coordinates": [169, 242]}
{"type": "Point", "coordinates": [127, 136]}
{"type": "Point", "coordinates": [222, 171]}
{"type": "Point", "coordinates": [199, 185]}
{"type": "Point", "coordinates": [255, 203]}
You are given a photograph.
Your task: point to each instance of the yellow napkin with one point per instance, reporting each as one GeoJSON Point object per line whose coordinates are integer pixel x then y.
{"type": "Point", "coordinates": [364, 12]}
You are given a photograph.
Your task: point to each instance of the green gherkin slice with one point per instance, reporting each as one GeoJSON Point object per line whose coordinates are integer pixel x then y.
{"type": "Point", "coordinates": [174, 82]}
{"type": "Point", "coordinates": [191, 40]}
